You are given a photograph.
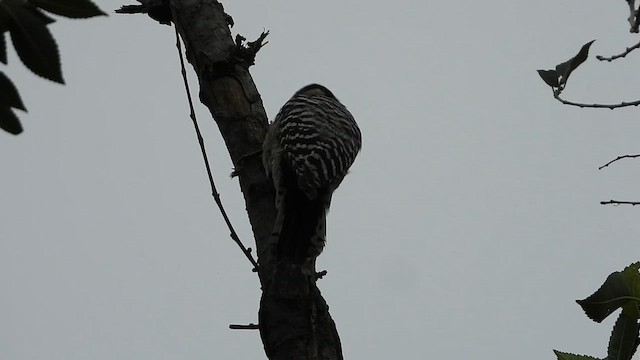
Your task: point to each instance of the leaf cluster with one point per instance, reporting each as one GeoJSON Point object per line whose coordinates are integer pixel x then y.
{"type": "Point", "coordinates": [621, 290]}
{"type": "Point", "coordinates": [557, 78]}
{"type": "Point", "coordinates": [26, 22]}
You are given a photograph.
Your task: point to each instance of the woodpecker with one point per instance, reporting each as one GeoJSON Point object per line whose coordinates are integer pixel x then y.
{"type": "Point", "coordinates": [307, 152]}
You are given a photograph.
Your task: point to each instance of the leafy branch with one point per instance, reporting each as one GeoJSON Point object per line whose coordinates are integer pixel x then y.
{"type": "Point", "coordinates": [621, 290]}
{"type": "Point", "coordinates": [557, 79]}
{"type": "Point", "coordinates": [34, 44]}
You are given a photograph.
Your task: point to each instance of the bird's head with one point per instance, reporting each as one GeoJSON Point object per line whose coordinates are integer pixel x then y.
{"type": "Point", "coordinates": [315, 90]}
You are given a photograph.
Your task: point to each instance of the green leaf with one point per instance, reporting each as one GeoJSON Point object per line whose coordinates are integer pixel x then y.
{"type": "Point", "coordinates": [568, 356]}
{"type": "Point", "coordinates": [77, 9]}
{"type": "Point", "coordinates": [613, 294]}
{"type": "Point", "coordinates": [9, 121]}
{"type": "Point", "coordinates": [33, 42]}
{"type": "Point", "coordinates": [9, 94]}
{"type": "Point", "coordinates": [3, 48]}
{"type": "Point", "coordinates": [550, 77]}
{"type": "Point", "coordinates": [631, 276]}
{"type": "Point", "coordinates": [624, 338]}
{"type": "Point", "coordinates": [566, 68]}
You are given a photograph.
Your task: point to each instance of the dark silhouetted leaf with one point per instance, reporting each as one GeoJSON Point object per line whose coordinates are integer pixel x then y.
{"type": "Point", "coordinates": [550, 77]}
{"type": "Point", "coordinates": [70, 8]}
{"type": "Point", "coordinates": [9, 121]}
{"type": "Point", "coordinates": [9, 94]}
{"type": "Point", "coordinates": [3, 48]}
{"type": "Point", "coordinates": [567, 356]}
{"type": "Point", "coordinates": [33, 42]}
{"type": "Point", "coordinates": [566, 68]}
{"type": "Point", "coordinates": [5, 13]}
{"type": "Point", "coordinates": [613, 294]}
{"type": "Point", "coordinates": [631, 276]}
{"type": "Point", "coordinates": [44, 17]}
{"type": "Point", "coordinates": [624, 338]}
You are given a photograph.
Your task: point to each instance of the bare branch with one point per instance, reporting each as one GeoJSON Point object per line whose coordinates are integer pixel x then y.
{"type": "Point", "coordinates": [158, 10]}
{"type": "Point", "coordinates": [618, 56]}
{"type": "Point", "coordinates": [556, 94]}
{"type": "Point", "coordinates": [618, 158]}
{"type": "Point", "coordinates": [214, 192]}
{"type": "Point", "coordinates": [616, 202]}
{"type": "Point", "coordinates": [244, 327]}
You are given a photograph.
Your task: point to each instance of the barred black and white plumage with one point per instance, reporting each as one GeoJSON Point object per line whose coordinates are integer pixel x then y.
{"type": "Point", "coordinates": [307, 152]}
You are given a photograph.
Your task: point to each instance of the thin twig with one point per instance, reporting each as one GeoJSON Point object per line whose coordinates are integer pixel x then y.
{"type": "Point", "coordinates": [321, 274]}
{"type": "Point", "coordinates": [556, 95]}
{"type": "Point", "coordinates": [244, 327]}
{"type": "Point", "coordinates": [618, 158]}
{"type": "Point", "coordinates": [214, 192]}
{"type": "Point", "coordinates": [618, 56]}
{"type": "Point", "coordinates": [616, 202]}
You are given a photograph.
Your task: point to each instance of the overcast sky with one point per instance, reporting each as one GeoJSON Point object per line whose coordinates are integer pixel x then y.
{"type": "Point", "coordinates": [466, 229]}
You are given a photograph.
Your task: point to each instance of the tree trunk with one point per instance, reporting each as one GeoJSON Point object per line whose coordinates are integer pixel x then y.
{"type": "Point", "coordinates": [294, 318]}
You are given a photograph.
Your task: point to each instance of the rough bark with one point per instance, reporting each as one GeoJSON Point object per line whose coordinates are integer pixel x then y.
{"type": "Point", "coordinates": [294, 318]}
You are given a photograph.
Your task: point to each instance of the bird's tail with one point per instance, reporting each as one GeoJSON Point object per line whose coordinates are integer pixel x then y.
{"type": "Point", "coordinates": [303, 230]}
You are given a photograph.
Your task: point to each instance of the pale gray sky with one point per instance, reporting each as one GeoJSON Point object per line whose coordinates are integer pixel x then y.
{"type": "Point", "coordinates": [467, 227]}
